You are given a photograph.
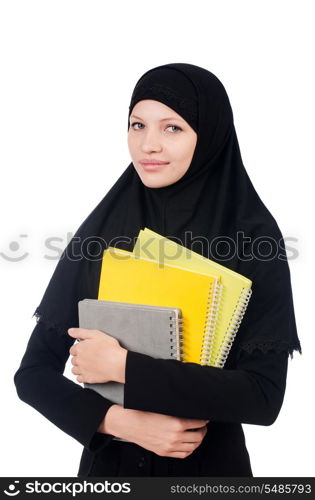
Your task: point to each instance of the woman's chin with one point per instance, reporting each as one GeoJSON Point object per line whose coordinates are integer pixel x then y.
{"type": "Point", "coordinates": [156, 185]}
{"type": "Point", "coordinates": [154, 180]}
{"type": "Point", "coordinates": [151, 182]}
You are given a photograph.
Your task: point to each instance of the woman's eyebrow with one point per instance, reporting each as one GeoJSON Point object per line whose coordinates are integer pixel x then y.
{"type": "Point", "coordinates": [163, 119]}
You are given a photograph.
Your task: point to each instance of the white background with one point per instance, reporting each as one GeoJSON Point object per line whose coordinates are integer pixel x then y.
{"type": "Point", "coordinates": [68, 70]}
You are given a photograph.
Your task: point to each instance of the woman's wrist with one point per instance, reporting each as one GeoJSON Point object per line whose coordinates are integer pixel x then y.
{"type": "Point", "coordinates": [121, 365]}
{"type": "Point", "coordinates": [111, 421]}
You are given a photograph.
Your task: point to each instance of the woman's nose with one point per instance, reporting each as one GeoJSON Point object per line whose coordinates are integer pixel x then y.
{"type": "Point", "coordinates": [151, 142]}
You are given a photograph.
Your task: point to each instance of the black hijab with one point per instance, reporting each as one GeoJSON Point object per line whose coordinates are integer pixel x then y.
{"type": "Point", "coordinates": [213, 209]}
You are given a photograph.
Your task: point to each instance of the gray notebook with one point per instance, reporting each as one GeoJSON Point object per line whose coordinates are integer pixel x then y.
{"type": "Point", "coordinates": [152, 330]}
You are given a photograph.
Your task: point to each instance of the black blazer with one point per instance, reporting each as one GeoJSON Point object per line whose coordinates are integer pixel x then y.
{"type": "Point", "coordinates": [250, 389]}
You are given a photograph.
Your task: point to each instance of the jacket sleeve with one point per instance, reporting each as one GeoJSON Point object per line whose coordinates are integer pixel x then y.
{"type": "Point", "coordinates": [252, 392]}
{"type": "Point", "coordinates": [40, 382]}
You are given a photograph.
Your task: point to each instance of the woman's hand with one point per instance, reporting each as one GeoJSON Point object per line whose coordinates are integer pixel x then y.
{"type": "Point", "coordinates": [165, 435]}
{"type": "Point", "coordinates": [100, 358]}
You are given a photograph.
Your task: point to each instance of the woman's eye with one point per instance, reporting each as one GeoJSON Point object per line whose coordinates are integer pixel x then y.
{"type": "Point", "coordinates": [136, 123]}
{"type": "Point", "coordinates": [174, 127]}
{"type": "Point", "coordinates": [139, 126]}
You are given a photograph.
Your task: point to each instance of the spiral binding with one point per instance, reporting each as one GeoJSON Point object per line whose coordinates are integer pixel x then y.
{"type": "Point", "coordinates": [176, 336]}
{"type": "Point", "coordinates": [213, 306]}
{"type": "Point", "coordinates": [233, 327]}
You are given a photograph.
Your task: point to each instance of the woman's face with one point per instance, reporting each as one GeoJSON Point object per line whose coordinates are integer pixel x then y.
{"type": "Point", "coordinates": [158, 134]}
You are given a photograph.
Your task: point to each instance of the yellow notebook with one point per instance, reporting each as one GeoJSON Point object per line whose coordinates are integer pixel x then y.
{"type": "Point", "coordinates": [234, 294]}
{"type": "Point", "coordinates": [127, 278]}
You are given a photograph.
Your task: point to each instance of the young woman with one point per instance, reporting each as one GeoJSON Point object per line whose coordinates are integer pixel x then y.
{"type": "Point", "coordinates": [187, 182]}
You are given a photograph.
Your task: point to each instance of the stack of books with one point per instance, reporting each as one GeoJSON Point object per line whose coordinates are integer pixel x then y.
{"type": "Point", "coordinates": [166, 301]}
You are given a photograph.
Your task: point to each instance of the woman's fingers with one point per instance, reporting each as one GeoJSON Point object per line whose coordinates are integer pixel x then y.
{"type": "Point", "coordinates": [179, 454]}
{"type": "Point", "coordinates": [75, 371]}
{"type": "Point", "coordinates": [180, 450]}
{"type": "Point", "coordinates": [194, 436]}
{"type": "Point", "coordinates": [193, 423]}
{"type": "Point", "coordinates": [187, 444]}
{"type": "Point", "coordinates": [165, 435]}
{"type": "Point", "coordinates": [73, 360]}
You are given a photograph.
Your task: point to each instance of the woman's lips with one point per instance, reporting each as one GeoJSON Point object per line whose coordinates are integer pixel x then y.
{"type": "Point", "coordinates": [152, 166]}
